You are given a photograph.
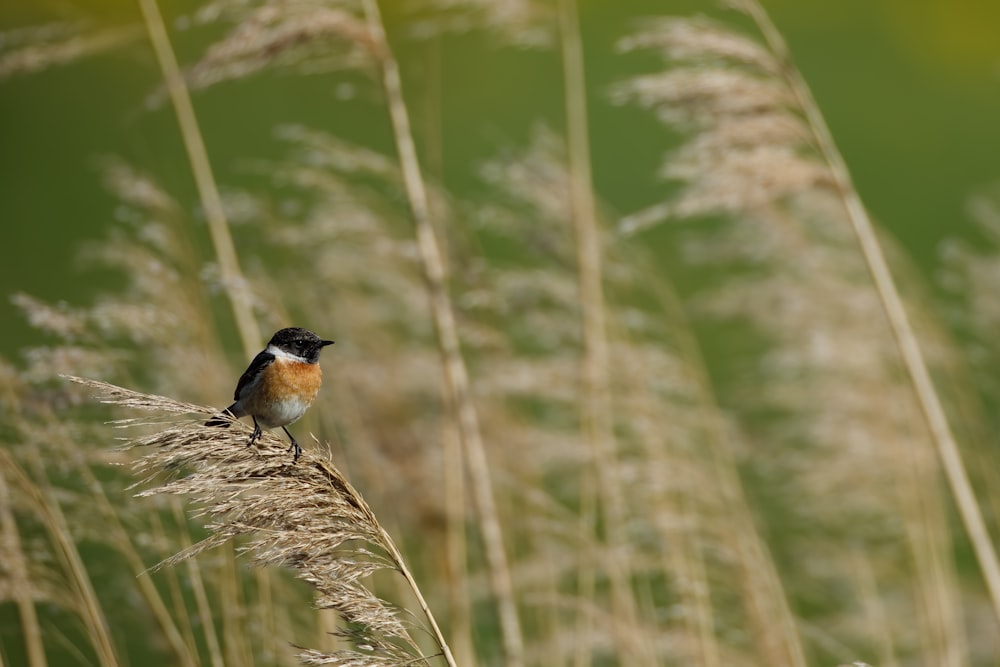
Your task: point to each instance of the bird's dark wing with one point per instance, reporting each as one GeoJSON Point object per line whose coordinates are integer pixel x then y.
{"type": "Point", "coordinates": [259, 363]}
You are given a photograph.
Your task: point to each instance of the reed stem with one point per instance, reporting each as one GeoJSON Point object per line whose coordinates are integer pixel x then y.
{"type": "Point", "coordinates": [234, 283]}
{"type": "Point", "coordinates": [18, 571]}
{"type": "Point", "coordinates": [595, 407]}
{"type": "Point", "coordinates": [456, 374]}
{"type": "Point", "coordinates": [895, 310]}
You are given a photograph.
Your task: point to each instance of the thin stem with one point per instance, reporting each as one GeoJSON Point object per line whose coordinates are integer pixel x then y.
{"type": "Point", "coordinates": [198, 589]}
{"type": "Point", "coordinates": [595, 412]}
{"type": "Point", "coordinates": [405, 571]}
{"type": "Point", "coordinates": [55, 522]}
{"type": "Point", "coordinates": [457, 548]}
{"type": "Point", "coordinates": [456, 374]}
{"type": "Point", "coordinates": [775, 629]}
{"type": "Point", "coordinates": [232, 608]}
{"type": "Point", "coordinates": [177, 601]}
{"type": "Point", "coordinates": [21, 584]}
{"type": "Point", "coordinates": [892, 304]}
{"type": "Point", "coordinates": [123, 542]}
{"type": "Point", "coordinates": [233, 281]}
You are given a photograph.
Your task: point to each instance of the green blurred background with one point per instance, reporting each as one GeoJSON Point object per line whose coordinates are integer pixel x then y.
{"type": "Point", "coordinates": [911, 90]}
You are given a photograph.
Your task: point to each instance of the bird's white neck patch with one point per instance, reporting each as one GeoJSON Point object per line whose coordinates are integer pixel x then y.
{"type": "Point", "coordinates": [278, 353]}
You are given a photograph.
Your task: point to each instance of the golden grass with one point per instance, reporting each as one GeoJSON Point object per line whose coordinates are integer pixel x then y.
{"type": "Point", "coordinates": [302, 515]}
{"type": "Point", "coordinates": [457, 382]}
{"type": "Point", "coordinates": [528, 404]}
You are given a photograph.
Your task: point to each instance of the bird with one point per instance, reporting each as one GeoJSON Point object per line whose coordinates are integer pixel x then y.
{"type": "Point", "coordinates": [279, 385]}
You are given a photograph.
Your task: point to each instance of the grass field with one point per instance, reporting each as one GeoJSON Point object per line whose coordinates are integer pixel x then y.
{"type": "Point", "coordinates": [729, 428]}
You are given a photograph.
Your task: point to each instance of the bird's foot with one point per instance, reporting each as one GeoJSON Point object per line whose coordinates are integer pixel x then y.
{"type": "Point", "coordinates": [294, 447]}
{"type": "Point", "coordinates": [256, 433]}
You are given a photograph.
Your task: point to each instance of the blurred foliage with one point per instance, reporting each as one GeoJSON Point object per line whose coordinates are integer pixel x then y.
{"type": "Point", "coordinates": [729, 468]}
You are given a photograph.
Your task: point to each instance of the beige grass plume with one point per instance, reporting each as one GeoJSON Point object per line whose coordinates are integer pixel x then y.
{"type": "Point", "coordinates": [304, 516]}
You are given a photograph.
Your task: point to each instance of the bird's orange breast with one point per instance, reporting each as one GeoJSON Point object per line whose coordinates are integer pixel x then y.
{"type": "Point", "coordinates": [284, 392]}
{"type": "Point", "coordinates": [285, 379]}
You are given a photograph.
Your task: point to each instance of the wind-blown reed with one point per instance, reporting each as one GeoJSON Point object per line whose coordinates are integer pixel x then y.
{"type": "Point", "coordinates": [302, 515]}
{"type": "Point", "coordinates": [587, 461]}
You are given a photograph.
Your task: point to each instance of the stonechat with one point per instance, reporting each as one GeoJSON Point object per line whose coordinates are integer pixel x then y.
{"type": "Point", "coordinates": [279, 385]}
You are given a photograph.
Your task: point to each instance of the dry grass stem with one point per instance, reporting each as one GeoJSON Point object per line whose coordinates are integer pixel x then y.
{"type": "Point", "coordinates": [909, 347]}
{"type": "Point", "coordinates": [90, 611]}
{"type": "Point", "coordinates": [123, 543]}
{"type": "Point", "coordinates": [451, 353]}
{"type": "Point", "coordinates": [303, 516]}
{"type": "Point", "coordinates": [595, 407]}
{"type": "Point", "coordinates": [16, 573]}
{"type": "Point", "coordinates": [237, 288]}
{"type": "Point", "coordinates": [202, 605]}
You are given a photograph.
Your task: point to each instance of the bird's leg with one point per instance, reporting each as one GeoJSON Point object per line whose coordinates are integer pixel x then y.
{"type": "Point", "coordinates": [294, 446]}
{"type": "Point", "coordinates": [256, 433]}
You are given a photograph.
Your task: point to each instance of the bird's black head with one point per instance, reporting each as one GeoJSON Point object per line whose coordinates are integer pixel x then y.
{"type": "Point", "coordinates": [299, 342]}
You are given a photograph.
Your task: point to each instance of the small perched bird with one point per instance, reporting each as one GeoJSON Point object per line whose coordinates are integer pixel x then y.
{"type": "Point", "coordinates": [280, 383]}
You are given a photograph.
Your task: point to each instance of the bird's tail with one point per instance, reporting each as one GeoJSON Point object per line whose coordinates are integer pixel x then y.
{"type": "Point", "coordinates": [224, 421]}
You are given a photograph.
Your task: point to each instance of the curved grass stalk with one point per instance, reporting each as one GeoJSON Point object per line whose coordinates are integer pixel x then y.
{"type": "Point", "coordinates": [52, 516]}
{"type": "Point", "coordinates": [456, 374]}
{"type": "Point", "coordinates": [595, 408]}
{"type": "Point", "coordinates": [304, 516]}
{"type": "Point", "coordinates": [17, 564]}
{"type": "Point", "coordinates": [199, 591]}
{"type": "Point", "coordinates": [771, 613]}
{"type": "Point", "coordinates": [909, 348]}
{"type": "Point", "coordinates": [232, 278]}
{"type": "Point", "coordinates": [119, 536]}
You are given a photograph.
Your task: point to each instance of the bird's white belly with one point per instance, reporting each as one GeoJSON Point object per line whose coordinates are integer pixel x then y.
{"type": "Point", "coordinates": [282, 412]}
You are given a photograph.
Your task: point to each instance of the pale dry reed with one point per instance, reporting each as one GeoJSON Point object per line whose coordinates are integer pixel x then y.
{"type": "Point", "coordinates": [302, 515]}
{"type": "Point", "coordinates": [119, 335]}
{"type": "Point", "coordinates": [528, 24]}
{"type": "Point", "coordinates": [823, 358]}
{"type": "Point", "coordinates": [645, 519]}
{"type": "Point", "coordinates": [34, 49]}
{"type": "Point", "coordinates": [307, 35]}
{"type": "Point", "coordinates": [270, 30]}
{"type": "Point", "coordinates": [687, 524]}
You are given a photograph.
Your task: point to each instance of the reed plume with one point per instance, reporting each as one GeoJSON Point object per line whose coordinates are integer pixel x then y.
{"type": "Point", "coordinates": [729, 472]}
{"type": "Point", "coordinates": [31, 50]}
{"type": "Point", "coordinates": [305, 516]}
{"type": "Point", "coordinates": [758, 160]}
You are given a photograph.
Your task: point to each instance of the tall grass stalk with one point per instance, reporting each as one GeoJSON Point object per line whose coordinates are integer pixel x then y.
{"type": "Point", "coordinates": [595, 408]}
{"type": "Point", "coordinates": [913, 358]}
{"type": "Point", "coordinates": [206, 619]}
{"type": "Point", "coordinates": [771, 618]}
{"type": "Point", "coordinates": [236, 286]}
{"type": "Point", "coordinates": [305, 516]}
{"type": "Point", "coordinates": [176, 589]}
{"type": "Point", "coordinates": [455, 493]}
{"type": "Point", "coordinates": [772, 498]}
{"type": "Point", "coordinates": [119, 537]}
{"type": "Point", "coordinates": [875, 610]}
{"type": "Point", "coordinates": [91, 613]}
{"type": "Point", "coordinates": [456, 374]}
{"type": "Point", "coordinates": [20, 582]}
{"type": "Point", "coordinates": [234, 282]}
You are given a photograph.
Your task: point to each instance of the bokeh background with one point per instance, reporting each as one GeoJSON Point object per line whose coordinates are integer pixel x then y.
{"type": "Point", "coordinates": [910, 90]}
{"type": "Point", "coordinates": [837, 541]}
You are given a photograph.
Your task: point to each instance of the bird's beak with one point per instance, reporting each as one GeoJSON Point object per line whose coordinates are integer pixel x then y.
{"type": "Point", "coordinates": [324, 343]}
